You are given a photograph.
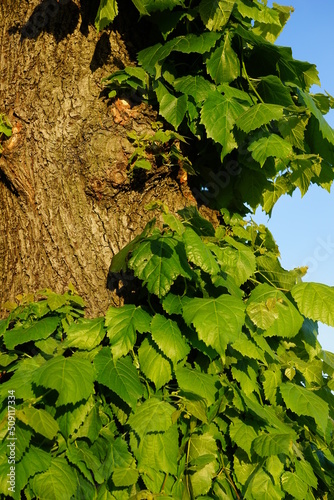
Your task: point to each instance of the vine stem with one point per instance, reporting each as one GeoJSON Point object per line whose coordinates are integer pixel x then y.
{"type": "Point", "coordinates": [251, 84]}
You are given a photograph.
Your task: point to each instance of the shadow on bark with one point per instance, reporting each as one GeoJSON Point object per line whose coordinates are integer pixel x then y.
{"type": "Point", "coordinates": [60, 18]}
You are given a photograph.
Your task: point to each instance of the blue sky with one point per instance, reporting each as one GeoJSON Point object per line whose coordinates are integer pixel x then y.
{"type": "Point", "coordinates": [303, 227]}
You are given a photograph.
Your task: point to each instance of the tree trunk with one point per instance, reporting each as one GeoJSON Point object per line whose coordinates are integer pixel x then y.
{"type": "Point", "coordinates": [67, 204]}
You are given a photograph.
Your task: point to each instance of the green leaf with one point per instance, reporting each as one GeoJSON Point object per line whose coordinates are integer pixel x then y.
{"type": "Point", "coordinates": [268, 414]}
{"type": "Point", "coordinates": [248, 348]}
{"type": "Point", "coordinates": [142, 163]}
{"type": "Point", "coordinates": [5, 126]}
{"type": "Point", "coordinates": [57, 482]}
{"type": "Point", "coordinates": [273, 145]}
{"type": "Point", "coordinates": [273, 91]}
{"type": "Point", "coordinates": [155, 367]}
{"type": "Point", "coordinates": [303, 171]}
{"type": "Point", "coordinates": [294, 485]}
{"type": "Point", "coordinates": [202, 444]}
{"type": "Point", "coordinates": [41, 329]}
{"type": "Point", "coordinates": [158, 262]}
{"type": "Point", "coordinates": [195, 382]}
{"type": "Point", "coordinates": [70, 420]}
{"type": "Point", "coordinates": [293, 129]}
{"type": "Point", "coordinates": [40, 420]}
{"type": "Point", "coordinates": [159, 451]}
{"type": "Point", "coordinates": [86, 334]}
{"type": "Point", "coordinates": [167, 335]}
{"type": "Point", "coordinates": [152, 58]}
{"type": "Point", "coordinates": [172, 304]}
{"type": "Point", "coordinates": [173, 223]}
{"type": "Point", "coordinates": [81, 455]}
{"type": "Point", "coordinates": [242, 435]}
{"type": "Point", "coordinates": [274, 192]}
{"type": "Point", "coordinates": [218, 322]}
{"type": "Point", "coordinates": [120, 376]}
{"type": "Point", "coordinates": [7, 359]}
{"type": "Point", "coordinates": [223, 65]}
{"type": "Point", "coordinates": [148, 6]}
{"type": "Point", "coordinates": [270, 268]}
{"type": "Point", "coordinates": [288, 323]}
{"type": "Point", "coordinates": [259, 115]}
{"type": "Point", "coordinates": [118, 262]}
{"type": "Point", "coordinates": [215, 13]}
{"type": "Point", "coordinates": [125, 476]}
{"type": "Point", "coordinates": [236, 260]}
{"type": "Point", "coordinates": [270, 310]}
{"type": "Point", "coordinates": [202, 448]}
{"type": "Point", "coordinates": [196, 86]}
{"type": "Point", "coordinates": [315, 301]}
{"type": "Point", "coordinates": [198, 252]}
{"type": "Point", "coordinates": [273, 444]}
{"type": "Point", "coordinates": [305, 472]}
{"type": "Point", "coordinates": [201, 480]}
{"type": "Point", "coordinates": [72, 378]}
{"type": "Point", "coordinates": [219, 115]}
{"type": "Point", "coordinates": [261, 487]}
{"type": "Point", "coordinates": [153, 415]}
{"type": "Point", "coordinates": [34, 460]}
{"type": "Point", "coordinates": [272, 379]}
{"type": "Point", "coordinates": [171, 108]}
{"type": "Point", "coordinates": [122, 325]}
{"type": "Point", "coordinates": [21, 381]}
{"type": "Point", "coordinates": [262, 305]}
{"type": "Point", "coordinates": [325, 128]}
{"type": "Point", "coordinates": [119, 456]}
{"type": "Point", "coordinates": [192, 218]}
{"type": "Point", "coordinates": [258, 12]}
{"type": "Point", "coordinates": [107, 12]}
{"type": "Point", "coordinates": [141, 7]}
{"type": "Point", "coordinates": [304, 402]}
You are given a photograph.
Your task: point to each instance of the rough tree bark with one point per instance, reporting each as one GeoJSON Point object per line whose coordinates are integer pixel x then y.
{"type": "Point", "coordinates": [66, 201]}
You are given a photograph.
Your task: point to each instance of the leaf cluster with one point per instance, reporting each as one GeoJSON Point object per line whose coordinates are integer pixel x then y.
{"type": "Point", "coordinates": [162, 146]}
{"type": "Point", "coordinates": [216, 76]}
{"type": "Point", "coordinates": [214, 387]}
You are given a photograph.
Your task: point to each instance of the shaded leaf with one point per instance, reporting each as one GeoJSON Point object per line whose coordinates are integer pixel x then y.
{"type": "Point", "coordinates": [215, 13]}
{"type": "Point", "coordinates": [71, 377]}
{"type": "Point", "coordinates": [196, 86]}
{"type": "Point", "coordinates": [158, 262]}
{"type": "Point", "coordinates": [57, 482]}
{"type": "Point", "coordinates": [198, 252]}
{"type": "Point", "coordinates": [86, 334]}
{"type": "Point", "coordinates": [153, 415]}
{"type": "Point", "coordinates": [159, 451]}
{"type": "Point", "coordinates": [167, 335]}
{"type": "Point", "coordinates": [107, 12]}
{"type": "Point", "coordinates": [224, 65]}
{"type": "Point", "coordinates": [40, 420]}
{"type": "Point", "coordinates": [273, 145]}
{"type": "Point", "coordinates": [195, 382]}
{"type": "Point", "coordinates": [155, 367]}
{"type": "Point", "coordinates": [122, 324]}
{"type": "Point", "coordinates": [120, 376]}
{"type": "Point", "coordinates": [258, 115]}
{"type": "Point", "coordinates": [171, 108]}
{"type": "Point", "coordinates": [41, 329]}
